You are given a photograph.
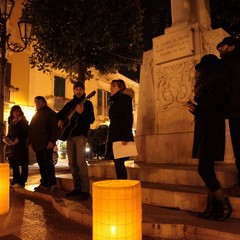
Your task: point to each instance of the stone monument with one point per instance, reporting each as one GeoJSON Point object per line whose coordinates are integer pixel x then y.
{"type": "Point", "coordinates": [164, 131]}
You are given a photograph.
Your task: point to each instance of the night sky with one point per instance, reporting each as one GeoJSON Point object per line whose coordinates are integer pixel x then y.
{"type": "Point", "coordinates": [155, 19]}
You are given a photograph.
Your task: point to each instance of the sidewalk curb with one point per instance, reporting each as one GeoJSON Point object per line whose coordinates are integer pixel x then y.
{"type": "Point", "coordinates": [81, 213]}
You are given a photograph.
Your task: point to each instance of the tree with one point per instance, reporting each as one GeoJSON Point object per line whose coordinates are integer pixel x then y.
{"type": "Point", "coordinates": [75, 35]}
{"type": "Point", "coordinates": [225, 14]}
{"type": "Point", "coordinates": [97, 140]}
{"type": "Point", "coordinates": [157, 17]}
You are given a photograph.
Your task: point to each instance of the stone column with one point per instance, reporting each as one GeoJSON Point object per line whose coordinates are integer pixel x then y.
{"type": "Point", "coordinates": [180, 11]}
{"type": "Point", "coordinates": [200, 13]}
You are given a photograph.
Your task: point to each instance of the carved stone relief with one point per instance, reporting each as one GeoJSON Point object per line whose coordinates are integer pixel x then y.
{"type": "Point", "coordinates": [174, 85]}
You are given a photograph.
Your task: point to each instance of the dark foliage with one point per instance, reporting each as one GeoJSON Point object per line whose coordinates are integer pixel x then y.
{"type": "Point", "coordinates": [157, 17]}
{"type": "Point", "coordinates": [75, 35]}
{"type": "Point", "coordinates": [97, 139]}
{"type": "Point", "coordinates": [225, 14]}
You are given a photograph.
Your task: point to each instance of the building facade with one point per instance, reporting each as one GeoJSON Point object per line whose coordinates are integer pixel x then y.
{"type": "Point", "coordinates": [23, 83]}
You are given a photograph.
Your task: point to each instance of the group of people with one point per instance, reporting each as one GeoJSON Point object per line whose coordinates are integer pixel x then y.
{"type": "Point", "coordinates": [217, 98]}
{"type": "Point", "coordinates": [42, 133]}
{"type": "Point", "coordinates": [40, 136]}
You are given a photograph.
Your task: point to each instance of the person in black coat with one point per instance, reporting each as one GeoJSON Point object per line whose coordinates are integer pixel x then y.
{"type": "Point", "coordinates": [121, 120]}
{"type": "Point", "coordinates": [42, 139]}
{"type": "Point", "coordinates": [18, 151]}
{"type": "Point", "coordinates": [229, 50]}
{"type": "Point", "coordinates": [209, 132]}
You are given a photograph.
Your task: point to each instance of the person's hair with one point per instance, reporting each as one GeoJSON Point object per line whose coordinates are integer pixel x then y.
{"type": "Point", "coordinates": [120, 83]}
{"type": "Point", "coordinates": [15, 108]}
{"type": "Point", "coordinates": [41, 98]}
{"type": "Point", "coordinates": [209, 71]}
{"type": "Point", "coordinates": [78, 84]}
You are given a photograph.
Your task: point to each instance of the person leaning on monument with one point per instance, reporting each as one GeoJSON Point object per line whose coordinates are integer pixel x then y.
{"type": "Point", "coordinates": [229, 50]}
{"type": "Point", "coordinates": [42, 139]}
{"type": "Point", "coordinates": [76, 141]}
{"type": "Point", "coordinates": [209, 131]}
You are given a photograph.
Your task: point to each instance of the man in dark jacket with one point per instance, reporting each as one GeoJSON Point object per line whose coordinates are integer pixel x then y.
{"type": "Point", "coordinates": [42, 139]}
{"type": "Point", "coordinates": [76, 141]}
{"type": "Point", "coordinates": [229, 50]}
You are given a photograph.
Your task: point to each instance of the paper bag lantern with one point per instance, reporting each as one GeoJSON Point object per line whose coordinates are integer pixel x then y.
{"type": "Point", "coordinates": [117, 210]}
{"type": "Point", "coordinates": [4, 187]}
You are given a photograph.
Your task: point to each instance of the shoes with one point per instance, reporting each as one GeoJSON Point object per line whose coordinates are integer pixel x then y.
{"type": "Point", "coordinates": [224, 210]}
{"type": "Point", "coordinates": [16, 185]}
{"type": "Point", "coordinates": [74, 193]}
{"type": "Point", "coordinates": [41, 188]}
{"type": "Point", "coordinates": [210, 209]}
{"type": "Point", "coordinates": [82, 196]}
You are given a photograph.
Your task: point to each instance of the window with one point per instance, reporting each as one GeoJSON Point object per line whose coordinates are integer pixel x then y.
{"type": "Point", "coordinates": [103, 102]}
{"type": "Point", "coordinates": [59, 92]}
{"type": "Point", "coordinates": [59, 86]}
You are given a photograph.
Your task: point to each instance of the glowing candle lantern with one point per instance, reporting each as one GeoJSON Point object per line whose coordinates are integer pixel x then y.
{"type": "Point", "coordinates": [117, 210]}
{"type": "Point", "coordinates": [4, 187]}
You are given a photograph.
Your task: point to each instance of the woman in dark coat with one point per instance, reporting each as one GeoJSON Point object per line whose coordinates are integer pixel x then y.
{"type": "Point", "coordinates": [121, 120]}
{"type": "Point", "coordinates": [18, 152]}
{"type": "Point", "coordinates": [209, 132]}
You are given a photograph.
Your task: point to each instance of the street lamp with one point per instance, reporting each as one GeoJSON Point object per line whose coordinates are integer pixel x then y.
{"type": "Point", "coordinates": [25, 28]}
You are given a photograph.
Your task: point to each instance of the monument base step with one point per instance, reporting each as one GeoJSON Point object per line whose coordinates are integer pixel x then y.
{"type": "Point", "coordinates": [157, 223]}
{"type": "Point", "coordinates": [183, 174]}
{"type": "Point", "coordinates": [187, 198]}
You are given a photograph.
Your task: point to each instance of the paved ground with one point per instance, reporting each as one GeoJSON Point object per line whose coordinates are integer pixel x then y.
{"type": "Point", "coordinates": [31, 218]}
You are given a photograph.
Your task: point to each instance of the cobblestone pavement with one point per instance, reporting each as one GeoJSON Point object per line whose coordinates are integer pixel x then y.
{"type": "Point", "coordinates": [34, 219]}
{"type": "Point", "coordinates": [30, 218]}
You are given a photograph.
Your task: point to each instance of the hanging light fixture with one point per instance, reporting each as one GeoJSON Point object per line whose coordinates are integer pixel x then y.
{"type": "Point", "coordinates": [4, 187]}
{"type": "Point", "coordinates": [117, 210]}
{"type": "Point", "coordinates": [25, 29]}
{"type": "Point", "coordinates": [6, 7]}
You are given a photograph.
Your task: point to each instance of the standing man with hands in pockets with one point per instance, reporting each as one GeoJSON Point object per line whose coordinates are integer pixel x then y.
{"type": "Point", "coordinates": [42, 139]}
{"type": "Point", "coordinates": [76, 142]}
{"type": "Point", "coordinates": [229, 50]}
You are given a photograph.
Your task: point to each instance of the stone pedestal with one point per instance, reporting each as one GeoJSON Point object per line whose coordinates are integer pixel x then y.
{"type": "Point", "coordinates": [165, 126]}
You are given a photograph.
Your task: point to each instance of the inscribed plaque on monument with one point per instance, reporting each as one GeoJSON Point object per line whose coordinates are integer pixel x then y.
{"type": "Point", "coordinates": [173, 46]}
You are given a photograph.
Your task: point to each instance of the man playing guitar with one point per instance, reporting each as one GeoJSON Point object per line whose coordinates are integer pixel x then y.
{"type": "Point", "coordinates": [78, 112]}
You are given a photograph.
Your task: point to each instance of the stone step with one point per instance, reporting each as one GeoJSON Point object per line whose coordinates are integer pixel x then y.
{"type": "Point", "coordinates": [158, 222]}
{"type": "Point", "coordinates": [187, 198]}
{"type": "Point", "coordinates": [182, 174]}
{"type": "Point", "coordinates": [166, 185]}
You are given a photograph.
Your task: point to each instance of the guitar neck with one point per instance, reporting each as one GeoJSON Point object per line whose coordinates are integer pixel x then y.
{"type": "Point", "coordinates": [81, 103]}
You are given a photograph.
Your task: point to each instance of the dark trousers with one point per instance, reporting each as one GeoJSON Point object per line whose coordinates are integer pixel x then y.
{"type": "Point", "coordinates": [46, 166]}
{"type": "Point", "coordinates": [234, 126]}
{"type": "Point", "coordinates": [120, 168]}
{"type": "Point", "coordinates": [207, 172]}
{"type": "Point", "coordinates": [20, 173]}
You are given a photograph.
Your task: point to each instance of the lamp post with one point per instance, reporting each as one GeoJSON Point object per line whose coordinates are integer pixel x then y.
{"type": "Point", "coordinates": [25, 28]}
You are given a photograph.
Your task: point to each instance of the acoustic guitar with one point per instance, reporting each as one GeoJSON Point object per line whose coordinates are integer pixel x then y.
{"type": "Point", "coordinates": [71, 120]}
